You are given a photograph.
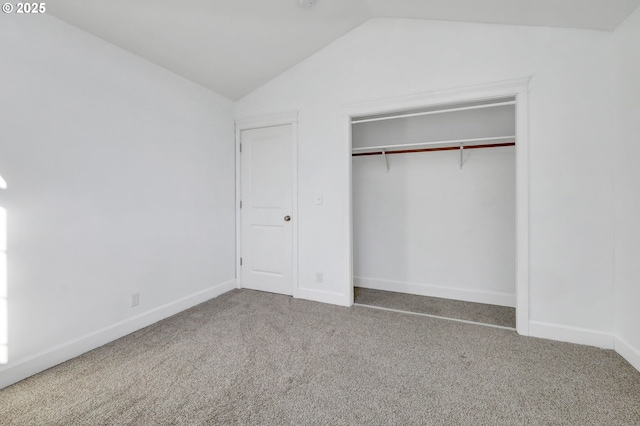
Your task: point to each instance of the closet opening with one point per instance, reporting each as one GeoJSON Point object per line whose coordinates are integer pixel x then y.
{"type": "Point", "coordinates": [436, 209]}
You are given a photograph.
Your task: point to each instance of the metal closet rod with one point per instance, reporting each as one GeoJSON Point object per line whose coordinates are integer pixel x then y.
{"type": "Point", "coordinates": [442, 148]}
{"type": "Point", "coordinates": [457, 142]}
{"type": "Point", "coordinates": [439, 111]}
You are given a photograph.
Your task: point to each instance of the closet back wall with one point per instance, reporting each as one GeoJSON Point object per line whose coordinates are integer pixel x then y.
{"type": "Point", "coordinates": [428, 227]}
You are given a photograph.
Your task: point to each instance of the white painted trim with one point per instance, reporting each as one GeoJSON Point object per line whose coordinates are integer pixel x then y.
{"type": "Point", "coordinates": [517, 88]}
{"type": "Point", "coordinates": [348, 293]}
{"type": "Point", "coordinates": [266, 121]}
{"type": "Point", "coordinates": [294, 200]}
{"type": "Point", "coordinates": [564, 333]}
{"type": "Point", "coordinates": [290, 118]}
{"type": "Point", "coordinates": [238, 215]}
{"type": "Point", "coordinates": [322, 296]}
{"type": "Point", "coordinates": [21, 369]}
{"type": "Point", "coordinates": [628, 352]}
{"type": "Point", "coordinates": [490, 297]}
{"type": "Point", "coordinates": [522, 212]}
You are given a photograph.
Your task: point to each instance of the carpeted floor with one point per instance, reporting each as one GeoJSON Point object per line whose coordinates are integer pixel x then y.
{"type": "Point", "coordinates": [257, 358]}
{"type": "Point", "coordinates": [457, 309]}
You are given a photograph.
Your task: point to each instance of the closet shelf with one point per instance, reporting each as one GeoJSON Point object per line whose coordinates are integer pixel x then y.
{"type": "Point", "coordinates": [437, 111]}
{"type": "Point", "coordinates": [435, 146]}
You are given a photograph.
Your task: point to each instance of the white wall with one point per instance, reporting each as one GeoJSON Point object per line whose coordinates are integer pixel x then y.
{"type": "Point", "coordinates": [627, 190]}
{"type": "Point", "coordinates": [427, 227]}
{"type": "Point", "coordinates": [571, 238]}
{"type": "Point", "coordinates": [120, 179]}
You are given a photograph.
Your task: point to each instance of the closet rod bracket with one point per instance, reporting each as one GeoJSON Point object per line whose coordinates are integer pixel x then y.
{"type": "Point", "coordinates": [386, 160]}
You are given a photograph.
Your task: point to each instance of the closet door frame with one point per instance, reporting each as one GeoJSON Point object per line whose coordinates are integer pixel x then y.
{"type": "Point", "coordinates": [518, 89]}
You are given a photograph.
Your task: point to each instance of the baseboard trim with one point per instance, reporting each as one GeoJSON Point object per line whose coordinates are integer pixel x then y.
{"type": "Point", "coordinates": [628, 352]}
{"type": "Point", "coordinates": [563, 333]}
{"type": "Point", "coordinates": [489, 297]}
{"type": "Point", "coordinates": [323, 296]}
{"type": "Point", "coordinates": [21, 369]}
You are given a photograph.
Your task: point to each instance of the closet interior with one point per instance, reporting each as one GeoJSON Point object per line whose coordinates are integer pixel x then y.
{"type": "Point", "coordinates": [434, 202]}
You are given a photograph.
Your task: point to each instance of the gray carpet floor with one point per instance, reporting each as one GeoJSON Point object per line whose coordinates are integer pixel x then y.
{"type": "Point", "coordinates": [257, 358]}
{"type": "Point", "coordinates": [457, 309]}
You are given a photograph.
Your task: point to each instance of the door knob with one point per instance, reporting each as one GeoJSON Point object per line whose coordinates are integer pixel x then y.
{"type": "Point", "coordinates": [287, 218]}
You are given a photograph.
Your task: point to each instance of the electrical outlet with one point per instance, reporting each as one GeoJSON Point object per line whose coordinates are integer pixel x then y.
{"type": "Point", "coordinates": [135, 299]}
{"type": "Point", "coordinates": [319, 277]}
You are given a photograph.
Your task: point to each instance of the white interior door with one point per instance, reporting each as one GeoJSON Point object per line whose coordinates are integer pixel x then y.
{"type": "Point", "coordinates": [266, 212]}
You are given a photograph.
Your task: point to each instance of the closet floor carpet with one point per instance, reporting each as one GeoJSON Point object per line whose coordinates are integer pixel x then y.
{"type": "Point", "coordinates": [456, 309]}
{"type": "Point", "coordinates": [256, 358]}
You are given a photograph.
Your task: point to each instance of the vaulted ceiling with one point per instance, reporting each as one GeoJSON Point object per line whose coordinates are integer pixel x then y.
{"type": "Point", "coordinates": [234, 46]}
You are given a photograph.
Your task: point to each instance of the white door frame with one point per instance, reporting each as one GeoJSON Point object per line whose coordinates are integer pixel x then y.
{"type": "Point", "coordinates": [258, 123]}
{"type": "Point", "coordinates": [519, 89]}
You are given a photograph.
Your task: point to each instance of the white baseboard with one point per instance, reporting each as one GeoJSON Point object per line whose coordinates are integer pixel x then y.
{"type": "Point", "coordinates": [323, 296]}
{"type": "Point", "coordinates": [489, 297]}
{"type": "Point", "coordinates": [21, 369]}
{"type": "Point", "coordinates": [563, 333]}
{"type": "Point", "coordinates": [628, 352]}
